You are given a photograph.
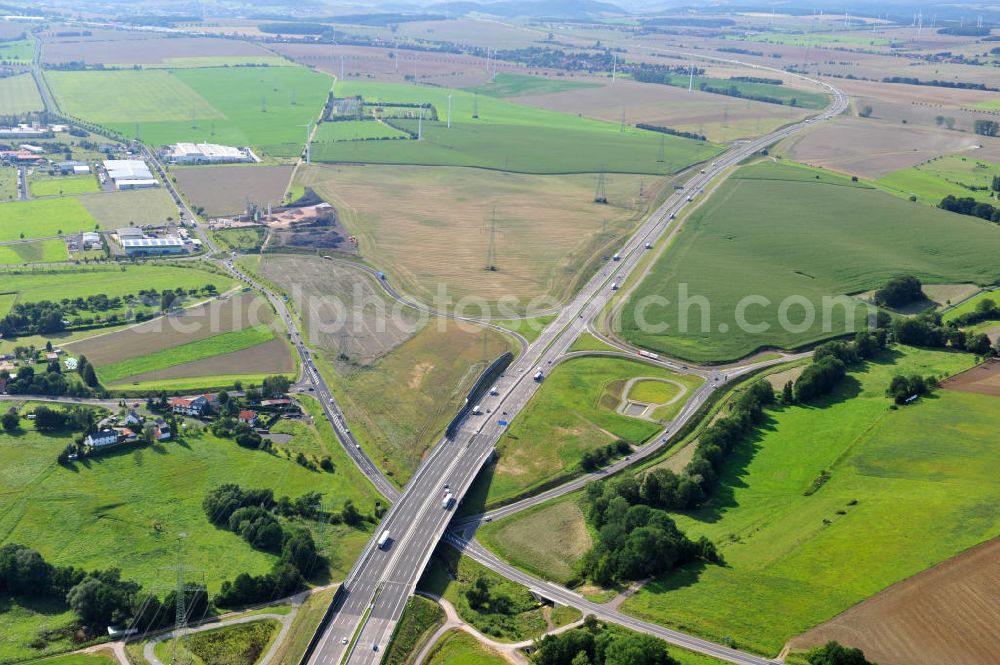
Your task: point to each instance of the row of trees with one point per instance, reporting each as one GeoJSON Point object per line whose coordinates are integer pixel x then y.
{"type": "Point", "coordinates": [830, 363]}
{"type": "Point", "coordinates": [99, 598]}
{"type": "Point", "coordinates": [970, 206]}
{"type": "Point", "coordinates": [596, 643]}
{"type": "Point", "coordinates": [592, 460]}
{"type": "Point", "coordinates": [927, 330]}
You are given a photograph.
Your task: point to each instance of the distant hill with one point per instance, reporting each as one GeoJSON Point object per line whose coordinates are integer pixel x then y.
{"type": "Point", "coordinates": [566, 9]}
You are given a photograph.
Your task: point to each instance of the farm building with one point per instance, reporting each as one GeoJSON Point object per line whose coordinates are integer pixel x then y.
{"type": "Point", "coordinates": [129, 173]}
{"type": "Point", "coordinates": [207, 153]}
{"type": "Point", "coordinates": [105, 437]}
{"type": "Point", "coordinates": [150, 246]}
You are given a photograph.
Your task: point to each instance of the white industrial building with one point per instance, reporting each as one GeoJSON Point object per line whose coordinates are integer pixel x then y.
{"type": "Point", "coordinates": [90, 239]}
{"type": "Point", "coordinates": [130, 173]}
{"type": "Point", "coordinates": [150, 246]}
{"type": "Point", "coordinates": [207, 153]}
{"type": "Point", "coordinates": [130, 233]}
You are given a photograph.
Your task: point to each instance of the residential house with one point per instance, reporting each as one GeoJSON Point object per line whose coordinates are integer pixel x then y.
{"type": "Point", "coordinates": [248, 417]}
{"type": "Point", "coordinates": [162, 429]}
{"type": "Point", "coordinates": [104, 437]}
{"type": "Point", "coordinates": [127, 435]}
{"type": "Point", "coordinates": [132, 418]}
{"type": "Point", "coordinates": [191, 406]}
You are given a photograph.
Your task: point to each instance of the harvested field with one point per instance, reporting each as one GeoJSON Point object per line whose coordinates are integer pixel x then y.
{"type": "Point", "coordinates": [947, 614]}
{"type": "Point", "coordinates": [325, 293]}
{"type": "Point", "coordinates": [225, 190]}
{"type": "Point", "coordinates": [114, 210]}
{"type": "Point", "coordinates": [213, 318]}
{"type": "Point", "coordinates": [429, 227]}
{"type": "Point", "coordinates": [145, 49]}
{"type": "Point", "coordinates": [451, 69]}
{"type": "Point", "coordinates": [719, 118]}
{"type": "Point", "coordinates": [872, 148]}
{"type": "Point", "coordinates": [273, 357]}
{"type": "Point", "coordinates": [984, 379]}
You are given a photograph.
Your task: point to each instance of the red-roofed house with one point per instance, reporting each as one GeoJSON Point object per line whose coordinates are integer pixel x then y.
{"type": "Point", "coordinates": [190, 406]}
{"type": "Point", "coordinates": [248, 417]}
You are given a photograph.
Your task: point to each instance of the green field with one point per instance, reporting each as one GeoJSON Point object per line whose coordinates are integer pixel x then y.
{"type": "Point", "coordinates": [8, 183]}
{"type": "Point", "coordinates": [19, 95]}
{"type": "Point", "coordinates": [58, 283]}
{"type": "Point", "coordinates": [970, 305]}
{"type": "Point", "coordinates": [515, 85]}
{"type": "Point", "coordinates": [833, 38]}
{"type": "Point", "coordinates": [992, 105]}
{"type": "Point", "coordinates": [7, 301]}
{"type": "Point", "coordinates": [457, 647]}
{"type": "Point", "coordinates": [185, 353]}
{"type": "Point", "coordinates": [40, 219]}
{"type": "Point", "coordinates": [192, 384]}
{"type": "Point", "coordinates": [247, 239]}
{"type": "Point", "coordinates": [19, 51]}
{"type": "Point", "coordinates": [264, 107]}
{"type": "Point", "coordinates": [788, 96]}
{"type": "Point", "coordinates": [151, 494]}
{"type": "Point", "coordinates": [218, 61]}
{"type": "Point", "coordinates": [509, 137]}
{"type": "Point", "coordinates": [774, 231]}
{"type": "Point", "coordinates": [908, 488]}
{"type": "Point", "coordinates": [933, 180]}
{"type": "Point", "coordinates": [574, 412]}
{"type": "Point", "coordinates": [354, 130]}
{"type": "Point", "coordinates": [82, 184]}
{"type": "Point", "coordinates": [41, 251]}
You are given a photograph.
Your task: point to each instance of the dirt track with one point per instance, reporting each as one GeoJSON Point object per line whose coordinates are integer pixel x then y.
{"type": "Point", "coordinates": [948, 614]}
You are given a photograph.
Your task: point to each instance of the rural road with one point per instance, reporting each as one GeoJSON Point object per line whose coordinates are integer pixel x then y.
{"type": "Point", "coordinates": [285, 620]}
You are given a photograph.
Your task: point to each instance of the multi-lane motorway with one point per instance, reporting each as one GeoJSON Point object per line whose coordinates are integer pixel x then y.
{"type": "Point", "coordinates": [376, 589]}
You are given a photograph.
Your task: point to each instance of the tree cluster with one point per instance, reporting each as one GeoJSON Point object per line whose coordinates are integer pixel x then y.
{"type": "Point", "coordinates": [99, 598]}
{"type": "Point", "coordinates": [51, 383]}
{"type": "Point", "coordinates": [634, 541]}
{"type": "Point", "coordinates": [833, 653]}
{"type": "Point", "coordinates": [900, 292]}
{"type": "Point", "coordinates": [986, 310]}
{"type": "Point", "coordinates": [830, 363]}
{"type": "Point", "coordinates": [595, 643]}
{"type": "Point", "coordinates": [901, 388]}
{"type": "Point", "coordinates": [670, 131]}
{"type": "Point", "coordinates": [592, 460]}
{"type": "Point", "coordinates": [970, 206]}
{"type": "Point", "coordinates": [909, 80]}
{"type": "Point", "coordinates": [987, 127]}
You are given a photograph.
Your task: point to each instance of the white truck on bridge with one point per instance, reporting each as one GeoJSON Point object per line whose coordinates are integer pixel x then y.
{"type": "Point", "coordinates": [383, 540]}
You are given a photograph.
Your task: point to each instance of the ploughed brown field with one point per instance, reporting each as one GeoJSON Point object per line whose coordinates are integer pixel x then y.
{"type": "Point", "coordinates": [272, 357]}
{"type": "Point", "coordinates": [225, 190]}
{"type": "Point", "coordinates": [143, 49]}
{"type": "Point", "coordinates": [984, 379]}
{"type": "Point", "coordinates": [946, 615]}
{"type": "Point", "coordinates": [213, 318]}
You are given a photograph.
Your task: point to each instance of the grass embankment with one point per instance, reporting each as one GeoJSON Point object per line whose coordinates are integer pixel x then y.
{"type": "Point", "coordinates": [265, 107]}
{"type": "Point", "coordinates": [451, 576]}
{"type": "Point", "coordinates": [185, 353]}
{"type": "Point", "coordinates": [796, 236]}
{"type": "Point", "coordinates": [421, 617]}
{"type": "Point", "coordinates": [303, 627]}
{"type": "Point", "coordinates": [493, 133]}
{"type": "Point", "coordinates": [457, 647]}
{"type": "Point", "coordinates": [399, 406]}
{"type": "Point", "coordinates": [895, 476]}
{"type": "Point", "coordinates": [246, 239]}
{"type": "Point", "coordinates": [784, 94]}
{"type": "Point", "coordinates": [574, 412]}
{"type": "Point", "coordinates": [42, 251]}
{"type": "Point", "coordinates": [239, 644]}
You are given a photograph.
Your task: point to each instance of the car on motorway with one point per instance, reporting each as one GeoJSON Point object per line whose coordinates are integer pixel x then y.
{"type": "Point", "coordinates": [343, 640]}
